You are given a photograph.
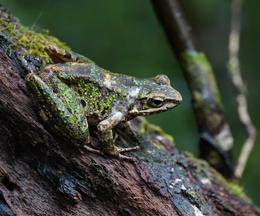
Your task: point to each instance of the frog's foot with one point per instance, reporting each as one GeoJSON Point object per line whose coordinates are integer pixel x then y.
{"type": "Point", "coordinates": [115, 153]}
{"type": "Point", "coordinates": [121, 150]}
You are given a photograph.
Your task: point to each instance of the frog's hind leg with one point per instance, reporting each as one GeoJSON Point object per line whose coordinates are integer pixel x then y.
{"type": "Point", "coordinates": [60, 55]}
{"type": "Point", "coordinates": [60, 110]}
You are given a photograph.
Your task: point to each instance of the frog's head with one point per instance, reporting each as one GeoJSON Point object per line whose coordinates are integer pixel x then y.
{"type": "Point", "coordinates": [155, 95]}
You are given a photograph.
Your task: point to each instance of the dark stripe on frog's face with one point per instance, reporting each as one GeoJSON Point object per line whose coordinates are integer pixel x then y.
{"type": "Point", "coordinates": [154, 98]}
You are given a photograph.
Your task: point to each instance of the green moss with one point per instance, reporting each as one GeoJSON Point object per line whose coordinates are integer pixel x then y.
{"type": "Point", "coordinates": [233, 187]}
{"type": "Point", "coordinates": [200, 74]}
{"type": "Point", "coordinates": [238, 190]}
{"type": "Point", "coordinates": [34, 43]}
{"type": "Point", "coordinates": [203, 169]}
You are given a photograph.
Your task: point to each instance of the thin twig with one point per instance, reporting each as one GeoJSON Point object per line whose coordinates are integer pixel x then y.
{"type": "Point", "coordinates": [235, 73]}
{"type": "Point", "coordinates": [216, 140]}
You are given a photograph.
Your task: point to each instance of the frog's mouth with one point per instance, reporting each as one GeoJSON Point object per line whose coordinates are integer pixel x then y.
{"type": "Point", "coordinates": [141, 112]}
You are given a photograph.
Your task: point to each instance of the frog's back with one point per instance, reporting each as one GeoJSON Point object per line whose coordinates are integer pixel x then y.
{"type": "Point", "coordinates": [104, 79]}
{"type": "Point", "coordinates": [89, 84]}
{"type": "Point", "coordinates": [118, 83]}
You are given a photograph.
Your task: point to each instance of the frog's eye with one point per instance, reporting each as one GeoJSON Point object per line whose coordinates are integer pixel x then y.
{"type": "Point", "coordinates": [155, 102]}
{"type": "Point", "coordinates": [162, 80]}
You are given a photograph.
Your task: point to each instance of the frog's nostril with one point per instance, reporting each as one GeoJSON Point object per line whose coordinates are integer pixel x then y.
{"type": "Point", "coordinates": [178, 101]}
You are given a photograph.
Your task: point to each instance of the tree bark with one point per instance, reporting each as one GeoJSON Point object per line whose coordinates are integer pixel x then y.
{"type": "Point", "coordinates": [41, 174]}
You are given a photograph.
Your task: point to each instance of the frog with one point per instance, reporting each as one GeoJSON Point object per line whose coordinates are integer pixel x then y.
{"type": "Point", "coordinates": [73, 93]}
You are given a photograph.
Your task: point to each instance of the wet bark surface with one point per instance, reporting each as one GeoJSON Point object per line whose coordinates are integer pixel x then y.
{"type": "Point", "coordinates": [42, 174]}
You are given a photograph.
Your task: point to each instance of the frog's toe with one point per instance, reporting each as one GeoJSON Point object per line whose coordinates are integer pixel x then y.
{"type": "Point", "coordinates": [135, 148]}
{"type": "Point", "coordinates": [124, 157]}
{"type": "Point", "coordinates": [115, 153]}
{"type": "Point", "coordinates": [129, 149]}
{"type": "Point", "coordinates": [29, 77]}
{"type": "Point", "coordinates": [93, 150]}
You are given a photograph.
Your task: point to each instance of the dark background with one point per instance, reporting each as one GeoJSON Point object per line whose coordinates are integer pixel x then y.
{"type": "Point", "coordinates": [125, 37]}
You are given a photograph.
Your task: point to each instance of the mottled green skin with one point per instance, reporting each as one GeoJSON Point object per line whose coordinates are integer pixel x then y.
{"type": "Point", "coordinates": [73, 94]}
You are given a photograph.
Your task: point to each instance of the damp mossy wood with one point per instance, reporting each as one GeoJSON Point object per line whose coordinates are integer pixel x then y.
{"type": "Point", "coordinates": [43, 174]}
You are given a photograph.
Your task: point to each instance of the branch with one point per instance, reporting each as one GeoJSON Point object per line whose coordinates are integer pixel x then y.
{"type": "Point", "coordinates": [216, 140]}
{"type": "Point", "coordinates": [235, 74]}
{"type": "Point", "coordinates": [43, 174]}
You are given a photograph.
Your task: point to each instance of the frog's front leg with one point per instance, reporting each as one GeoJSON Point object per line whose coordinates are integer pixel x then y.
{"type": "Point", "coordinates": [106, 136]}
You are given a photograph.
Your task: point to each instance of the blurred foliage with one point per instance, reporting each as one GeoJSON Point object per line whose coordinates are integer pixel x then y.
{"type": "Point", "coordinates": [125, 37]}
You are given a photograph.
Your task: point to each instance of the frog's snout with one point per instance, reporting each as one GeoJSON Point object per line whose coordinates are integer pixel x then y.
{"type": "Point", "coordinates": [178, 97]}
